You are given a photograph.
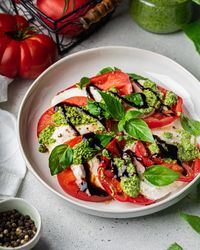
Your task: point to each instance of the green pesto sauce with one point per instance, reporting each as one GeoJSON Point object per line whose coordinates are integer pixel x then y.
{"type": "Point", "coordinates": [187, 151]}
{"type": "Point", "coordinates": [151, 98]}
{"type": "Point", "coordinates": [169, 160]}
{"type": "Point", "coordinates": [106, 153]}
{"type": "Point", "coordinates": [82, 152]}
{"type": "Point", "coordinates": [168, 135]}
{"type": "Point", "coordinates": [46, 134]}
{"type": "Point", "coordinates": [170, 99]}
{"type": "Point", "coordinates": [126, 161]}
{"type": "Point", "coordinates": [161, 16]}
{"type": "Point", "coordinates": [154, 149]}
{"type": "Point", "coordinates": [130, 185]}
{"type": "Point", "coordinates": [75, 115]}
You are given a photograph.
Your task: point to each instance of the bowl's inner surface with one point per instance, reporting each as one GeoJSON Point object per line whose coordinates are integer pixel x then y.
{"type": "Point", "coordinates": [69, 71]}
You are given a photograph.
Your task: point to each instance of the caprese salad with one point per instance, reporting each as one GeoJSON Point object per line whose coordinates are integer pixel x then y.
{"type": "Point", "coordinates": [119, 136]}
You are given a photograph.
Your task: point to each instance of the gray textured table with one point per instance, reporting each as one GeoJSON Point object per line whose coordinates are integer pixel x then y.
{"type": "Point", "coordinates": [64, 228]}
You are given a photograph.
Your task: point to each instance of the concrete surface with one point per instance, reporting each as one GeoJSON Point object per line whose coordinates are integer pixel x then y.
{"type": "Point", "coordinates": [64, 228]}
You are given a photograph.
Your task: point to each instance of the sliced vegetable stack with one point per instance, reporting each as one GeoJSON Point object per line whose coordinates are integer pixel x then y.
{"type": "Point", "coordinates": [119, 136]}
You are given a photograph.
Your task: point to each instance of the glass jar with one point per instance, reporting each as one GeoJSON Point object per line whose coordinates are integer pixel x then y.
{"type": "Point", "coordinates": [161, 16]}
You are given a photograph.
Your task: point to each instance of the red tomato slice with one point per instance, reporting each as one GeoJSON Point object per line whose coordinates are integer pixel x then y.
{"type": "Point", "coordinates": [142, 153]}
{"type": "Point", "coordinates": [190, 174]}
{"type": "Point", "coordinates": [196, 166]}
{"type": "Point", "coordinates": [116, 79]}
{"type": "Point", "coordinates": [112, 185]}
{"type": "Point", "coordinates": [115, 147]}
{"type": "Point", "coordinates": [158, 120]}
{"type": "Point", "coordinates": [46, 120]}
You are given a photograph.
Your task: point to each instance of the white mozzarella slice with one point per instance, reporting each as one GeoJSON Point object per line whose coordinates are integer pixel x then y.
{"type": "Point", "coordinates": [65, 133]}
{"type": "Point", "coordinates": [79, 173]}
{"type": "Point", "coordinates": [139, 167]}
{"type": "Point", "coordinates": [172, 128]}
{"type": "Point", "coordinates": [94, 164]}
{"type": "Point", "coordinates": [95, 94]}
{"type": "Point", "coordinates": [155, 193]}
{"type": "Point", "coordinates": [68, 94]}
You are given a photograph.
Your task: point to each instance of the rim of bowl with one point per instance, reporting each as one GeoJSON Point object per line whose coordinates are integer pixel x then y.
{"type": "Point", "coordinates": [68, 199]}
{"type": "Point", "coordinates": [39, 222]}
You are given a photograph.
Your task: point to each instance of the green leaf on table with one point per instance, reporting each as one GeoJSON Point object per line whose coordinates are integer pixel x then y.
{"type": "Point", "coordinates": [159, 175]}
{"type": "Point", "coordinates": [103, 139]}
{"type": "Point", "coordinates": [196, 1]}
{"type": "Point", "coordinates": [114, 105]}
{"type": "Point", "coordinates": [83, 82]}
{"type": "Point", "coordinates": [190, 125]}
{"type": "Point", "coordinates": [192, 30]}
{"type": "Point", "coordinates": [136, 77]}
{"type": "Point", "coordinates": [175, 246]}
{"type": "Point", "coordinates": [193, 220]}
{"type": "Point", "coordinates": [60, 158]}
{"type": "Point", "coordinates": [138, 129]}
{"type": "Point", "coordinates": [135, 98]}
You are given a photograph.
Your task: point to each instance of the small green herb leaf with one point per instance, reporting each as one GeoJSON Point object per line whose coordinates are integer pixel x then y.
{"type": "Point", "coordinates": [121, 125]}
{"type": "Point", "coordinates": [60, 158]}
{"type": "Point", "coordinates": [196, 1]}
{"type": "Point", "coordinates": [136, 77]}
{"type": "Point", "coordinates": [130, 114]}
{"type": "Point", "coordinates": [103, 139]}
{"type": "Point", "coordinates": [138, 129]}
{"type": "Point", "coordinates": [98, 109]}
{"type": "Point", "coordinates": [192, 30]}
{"type": "Point", "coordinates": [114, 106]}
{"type": "Point", "coordinates": [193, 220]}
{"type": "Point", "coordinates": [159, 175]}
{"type": "Point", "coordinates": [105, 70]}
{"type": "Point", "coordinates": [84, 81]}
{"type": "Point", "coordinates": [190, 125]}
{"type": "Point", "coordinates": [175, 246]}
{"type": "Point", "coordinates": [136, 99]}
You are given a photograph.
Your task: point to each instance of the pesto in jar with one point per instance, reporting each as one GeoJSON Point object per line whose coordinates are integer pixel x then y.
{"type": "Point", "coordinates": [161, 16]}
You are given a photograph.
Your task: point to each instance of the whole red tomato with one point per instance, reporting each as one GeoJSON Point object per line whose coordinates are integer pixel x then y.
{"type": "Point", "coordinates": [59, 8]}
{"type": "Point", "coordinates": [23, 52]}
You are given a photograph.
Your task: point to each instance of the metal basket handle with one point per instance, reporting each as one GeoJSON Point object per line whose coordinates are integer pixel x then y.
{"type": "Point", "coordinates": [98, 12]}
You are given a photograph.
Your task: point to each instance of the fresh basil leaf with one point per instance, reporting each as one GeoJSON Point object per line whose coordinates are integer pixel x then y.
{"type": "Point", "coordinates": [114, 106]}
{"type": "Point", "coordinates": [138, 129]}
{"type": "Point", "coordinates": [190, 125]}
{"type": "Point", "coordinates": [121, 125]}
{"type": "Point", "coordinates": [192, 30]}
{"type": "Point", "coordinates": [84, 81]}
{"type": "Point", "coordinates": [103, 139]}
{"type": "Point", "coordinates": [175, 246]}
{"type": "Point", "coordinates": [193, 220]}
{"type": "Point", "coordinates": [130, 114]}
{"type": "Point", "coordinates": [135, 98]}
{"type": "Point", "coordinates": [136, 77]}
{"type": "Point", "coordinates": [93, 108]}
{"type": "Point", "coordinates": [60, 158]}
{"type": "Point", "coordinates": [159, 175]}
{"type": "Point", "coordinates": [196, 1]}
{"type": "Point", "coordinates": [105, 70]}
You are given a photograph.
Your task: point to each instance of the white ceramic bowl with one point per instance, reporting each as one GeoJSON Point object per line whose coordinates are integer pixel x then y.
{"type": "Point", "coordinates": [68, 71]}
{"type": "Point", "coordinates": [26, 209]}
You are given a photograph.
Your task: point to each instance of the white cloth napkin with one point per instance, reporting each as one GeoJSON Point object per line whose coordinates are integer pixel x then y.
{"type": "Point", "coordinates": [12, 166]}
{"type": "Point", "coordinates": [4, 82]}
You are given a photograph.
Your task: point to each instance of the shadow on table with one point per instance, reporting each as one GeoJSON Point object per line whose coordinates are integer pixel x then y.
{"type": "Point", "coordinates": [42, 244]}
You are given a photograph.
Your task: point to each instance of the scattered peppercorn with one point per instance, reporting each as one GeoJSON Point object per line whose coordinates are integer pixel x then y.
{"type": "Point", "coordinates": [16, 229]}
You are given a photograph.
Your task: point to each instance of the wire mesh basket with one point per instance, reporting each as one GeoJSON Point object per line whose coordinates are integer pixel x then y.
{"type": "Point", "coordinates": [69, 29]}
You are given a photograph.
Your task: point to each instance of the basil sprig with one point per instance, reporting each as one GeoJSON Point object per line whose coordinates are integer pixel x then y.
{"type": "Point", "coordinates": [190, 125]}
{"type": "Point", "coordinates": [103, 139]}
{"type": "Point", "coordinates": [175, 246]}
{"type": "Point", "coordinates": [159, 175]}
{"type": "Point", "coordinates": [129, 120]}
{"type": "Point", "coordinates": [60, 158]}
{"type": "Point", "coordinates": [114, 105]}
{"type": "Point", "coordinates": [98, 109]}
{"type": "Point", "coordinates": [193, 220]}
